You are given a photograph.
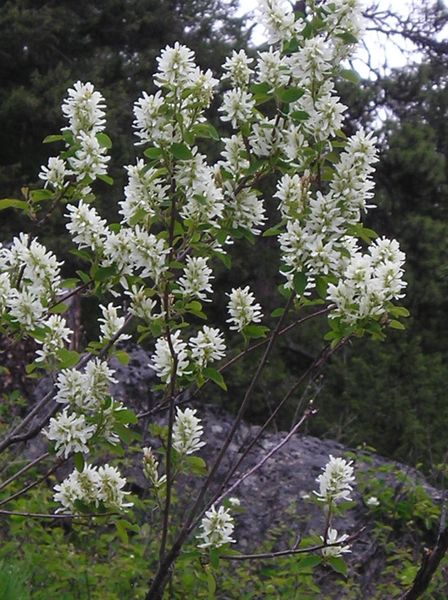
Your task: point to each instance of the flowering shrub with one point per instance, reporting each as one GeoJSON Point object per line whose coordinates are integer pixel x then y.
{"type": "Point", "coordinates": [152, 273]}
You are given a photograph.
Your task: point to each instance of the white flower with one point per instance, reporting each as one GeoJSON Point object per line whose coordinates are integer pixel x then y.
{"type": "Point", "coordinates": [196, 277]}
{"type": "Point", "coordinates": [242, 308]}
{"type": "Point", "coordinates": [144, 193]}
{"type": "Point", "coordinates": [372, 501]}
{"type": "Point", "coordinates": [163, 361]}
{"type": "Point", "coordinates": [234, 501]}
{"type": "Point", "coordinates": [332, 538]}
{"type": "Point", "coordinates": [293, 193]}
{"type": "Point", "coordinates": [26, 308]}
{"type": "Point", "coordinates": [40, 268]}
{"type": "Point", "coordinates": [176, 65]}
{"type": "Point", "coordinates": [234, 154]}
{"type": "Point", "coordinates": [151, 469]}
{"type": "Point", "coordinates": [71, 388]}
{"type": "Point", "coordinates": [335, 481]}
{"type": "Point", "coordinates": [150, 122]}
{"type": "Point", "coordinates": [70, 433]}
{"type": "Point", "coordinates": [204, 198]}
{"type": "Point", "coordinates": [99, 378]}
{"type": "Point", "coordinates": [237, 106]}
{"type": "Point", "coordinates": [187, 432]}
{"type": "Point", "coordinates": [207, 346]}
{"type": "Point", "coordinates": [92, 486]}
{"type": "Point", "coordinates": [84, 109]}
{"type": "Point", "coordinates": [56, 336]}
{"type": "Point", "coordinates": [247, 211]}
{"type": "Point", "coordinates": [110, 488]}
{"type": "Point", "coordinates": [141, 304]}
{"type": "Point", "coordinates": [86, 227]}
{"type": "Point", "coordinates": [149, 254]}
{"type": "Point", "coordinates": [237, 69]}
{"type": "Point", "coordinates": [91, 159]}
{"type": "Point", "coordinates": [277, 17]}
{"type": "Point", "coordinates": [55, 174]}
{"type": "Point", "coordinates": [272, 68]}
{"type": "Point", "coordinates": [118, 251]}
{"type": "Point", "coordinates": [5, 290]}
{"type": "Point", "coordinates": [217, 528]}
{"type": "Point", "coordinates": [82, 486]}
{"type": "Point", "coordinates": [111, 323]}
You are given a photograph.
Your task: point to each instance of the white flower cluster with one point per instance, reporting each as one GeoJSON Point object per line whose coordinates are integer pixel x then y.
{"type": "Point", "coordinates": [93, 412]}
{"type": "Point", "coordinates": [111, 324]}
{"type": "Point", "coordinates": [84, 110]}
{"type": "Point", "coordinates": [206, 347]}
{"type": "Point", "coordinates": [30, 282]}
{"type": "Point", "coordinates": [97, 486]}
{"type": "Point", "coordinates": [337, 547]}
{"type": "Point", "coordinates": [185, 86]}
{"type": "Point", "coordinates": [242, 308]}
{"type": "Point", "coordinates": [151, 469]}
{"type": "Point", "coordinates": [217, 528]}
{"type": "Point", "coordinates": [187, 432]}
{"type": "Point", "coordinates": [335, 483]}
{"type": "Point", "coordinates": [369, 282]}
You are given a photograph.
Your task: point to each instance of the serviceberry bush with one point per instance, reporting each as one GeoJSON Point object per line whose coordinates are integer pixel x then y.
{"type": "Point", "coordinates": [152, 273]}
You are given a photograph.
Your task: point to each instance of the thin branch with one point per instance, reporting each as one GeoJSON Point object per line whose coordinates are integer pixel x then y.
{"type": "Point", "coordinates": [33, 484]}
{"type": "Point", "coordinates": [430, 563]}
{"type": "Point", "coordinates": [55, 515]}
{"type": "Point", "coordinates": [24, 470]}
{"type": "Point", "coordinates": [307, 415]}
{"type": "Point", "coordinates": [291, 551]}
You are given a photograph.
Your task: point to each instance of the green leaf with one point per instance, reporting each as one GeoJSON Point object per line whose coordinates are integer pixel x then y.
{"type": "Point", "coordinates": [399, 311]}
{"type": "Point", "coordinates": [206, 130]}
{"type": "Point", "coordinates": [53, 138]}
{"type": "Point", "coordinates": [12, 203]}
{"type": "Point", "coordinates": [153, 153]}
{"type": "Point", "coordinates": [215, 376]}
{"type": "Point", "coordinates": [338, 565]}
{"type": "Point", "coordinates": [122, 526]}
{"type": "Point", "coordinates": [271, 232]}
{"type": "Point", "coordinates": [79, 461]}
{"type": "Point", "coordinates": [196, 465]}
{"type": "Point", "coordinates": [396, 325]}
{"type": "Point", "coordinates": [278, 312]}
{"type": "Point", "coordinates": [260, 88]}
{"type": "Point", "coordinates": [122, 357]}
{"type": "Point", "coordinates": [288, 95]}
{"type": "Point", "coordinates": [104, 140]}
{"type": "Point", "coordinates": [126, 416]}
{"type": "Point", "coordinates": [256, 331]}
{"type": "Point", "coordinates": [308, 563]}
{"type": "Point", "coordinates": [299, 115]}
{"type": "Point", "coordinates": [321, 287]}
{"type": "Point", "coordinates": [214, 558]}
{"type": "Point", "coordinates": [68, 358]}
{"type": "Point", "coordinates": [104, 273]}
{"type": "Point", "coordinates": [39, 195]}
{"type": "Point", "coordinates": [350, 75]}
{"type": "Point", "coordinates": [211, 584]}
{"type": "Point", "coordinates": [300, 282]}
{"type": "Point", "coordinates": [181, 152]}
{"type": "Point", "coordinates": [106, 179]}
{"type": "Point", "coordinates": [59, 309]}
{"type": "Point", "coordinates": [347, 37]}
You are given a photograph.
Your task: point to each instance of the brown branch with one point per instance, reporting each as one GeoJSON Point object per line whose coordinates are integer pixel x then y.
{"type": "Point", "coordinates": [292, 551]}
{"type": "Point", "coordinates": [24, 470]}
{"type": "Point", "coordinates": [14, 513]}
{"type": "Point", "coordinates": [430, 563]}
